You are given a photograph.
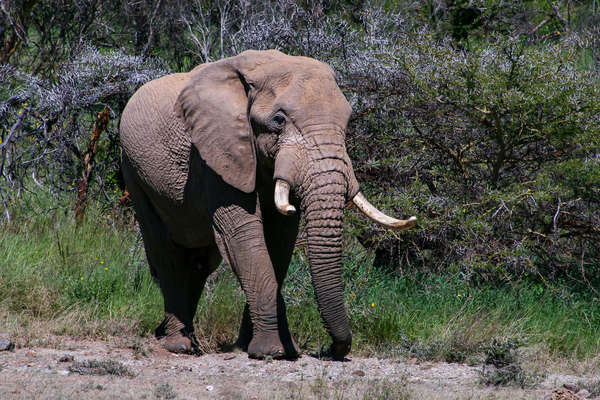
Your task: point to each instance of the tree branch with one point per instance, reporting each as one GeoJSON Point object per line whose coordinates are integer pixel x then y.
{"type": "Point", "coordinates": [556, 10]}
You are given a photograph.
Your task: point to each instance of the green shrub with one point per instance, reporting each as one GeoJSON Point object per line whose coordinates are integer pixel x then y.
{"type": "Point", "coordinates": [496, 152]}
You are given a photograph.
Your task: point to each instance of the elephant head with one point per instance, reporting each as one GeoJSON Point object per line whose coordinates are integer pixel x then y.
{"type": "Point", "coordinates": [266, 111]}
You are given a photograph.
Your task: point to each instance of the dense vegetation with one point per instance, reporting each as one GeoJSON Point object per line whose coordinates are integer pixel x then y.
{"type": "Point", "coordinates": [92, 281]}
{"type": "Point", "coordinates": [480, 117]}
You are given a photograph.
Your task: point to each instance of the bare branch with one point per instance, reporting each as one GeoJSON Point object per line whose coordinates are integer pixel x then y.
{"type": "Point", "coordinates": [556, 10]}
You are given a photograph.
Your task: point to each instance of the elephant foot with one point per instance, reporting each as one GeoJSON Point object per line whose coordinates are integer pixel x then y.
{"type": "Point", "coordinates": [242, 343]}
{"type": "Point", "coordinates": [339, 350]}
{"type": "Point", "coordinates": [292, 350]}
{"type": "Point", "coordinates": [267, 345]}
{"type": "Point", "coordinates": [270, 345]}
{"type": "Point", "coordinates": [175, 337]}
{"type": "Point", "coordinates": [179, 344]}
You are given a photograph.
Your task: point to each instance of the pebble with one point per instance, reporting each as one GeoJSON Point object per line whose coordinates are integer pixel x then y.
{"type": "Point", "coordinates": [571, 387]}
{"type": "Point", "coordinates": [66, 358]}
{"type": "Point", "coordinates": [583, 393]}
{"type": "Point", "coordinates": [6, 345]}
{"type": "Point", "coordinates": [358, 372]}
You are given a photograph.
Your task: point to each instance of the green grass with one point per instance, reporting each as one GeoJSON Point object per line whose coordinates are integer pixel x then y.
{"type": "Point", "coordinates": [443, 317]}
{"type": "Point", "coordinates": [93, 281]}
{"type": "Point", "coordinates": [81, 276]}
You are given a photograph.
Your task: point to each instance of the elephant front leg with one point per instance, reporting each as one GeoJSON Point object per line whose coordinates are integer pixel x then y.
{"type": "Point", "coordinates": [246, 329]}
{"type": "Point", "coordinates": [239, 235]}
{"type": "Point", "coordinates": [280, 233]}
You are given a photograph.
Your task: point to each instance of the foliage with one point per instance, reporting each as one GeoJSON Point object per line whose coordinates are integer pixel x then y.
{"type": "Point", "coordinates": [492, 149]}
{"type": "Point", "coordinates": [46, 124]}
{"type": "Point", "coordinates": [428, 317]}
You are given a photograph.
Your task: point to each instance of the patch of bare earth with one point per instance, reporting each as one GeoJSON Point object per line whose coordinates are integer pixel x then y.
{"type": "Point", "coordinates": [76, 369]}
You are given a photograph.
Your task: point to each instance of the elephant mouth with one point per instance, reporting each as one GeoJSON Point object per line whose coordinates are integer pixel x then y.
{"type": "Point", "coordinates": [282, 202]}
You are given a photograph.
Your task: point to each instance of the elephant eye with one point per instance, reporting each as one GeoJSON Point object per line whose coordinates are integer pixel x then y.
{"type": "Point", "coordinates": [279, 119]}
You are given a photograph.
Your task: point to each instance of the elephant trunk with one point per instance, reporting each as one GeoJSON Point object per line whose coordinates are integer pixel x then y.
{"type": "Point", "coordinates": [288, 171]}
{"type": "Point", "coordinates": [321, 177]}
{"type": "Point", "coordinates": [323, 207]}
{"type": "Point", "coordinates": [323, 180]}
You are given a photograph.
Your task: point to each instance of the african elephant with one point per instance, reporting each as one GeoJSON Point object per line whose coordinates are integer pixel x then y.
{"type": "Point", "coordinates": [217, 161]}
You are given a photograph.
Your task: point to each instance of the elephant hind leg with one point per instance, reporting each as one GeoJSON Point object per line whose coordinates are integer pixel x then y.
{"type": "Point", "coordinates": [181, 272]}
{"type": "Point", "coordinates": [182, 284]}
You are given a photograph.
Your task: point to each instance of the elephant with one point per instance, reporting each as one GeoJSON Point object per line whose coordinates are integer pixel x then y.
{"type": "Point", "coordinates": [218, 161]}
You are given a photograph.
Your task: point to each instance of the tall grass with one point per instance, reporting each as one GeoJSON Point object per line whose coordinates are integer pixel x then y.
{"type": "Point", "coordinates": [73, 277]}
{"type": "Point", "coordinates": [446, 318]}
{"type": "Point", "coordinates": [93, 281]}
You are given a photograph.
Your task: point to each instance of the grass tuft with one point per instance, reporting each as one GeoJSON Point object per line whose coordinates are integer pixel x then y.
{"type": "Point", "coordinates": [388, 390]}
{"type": "Point", "coordinates": [592, 386]}
{"type": "Point", "coordinates": [164, 391]}
{"type": "Point", "coordinates": [502, 365]}
{"type": "Point", "coordinates": [104, 367]}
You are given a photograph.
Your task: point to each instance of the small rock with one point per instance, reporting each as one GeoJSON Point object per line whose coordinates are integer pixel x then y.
{"type": "Point", "coordinates": [584, 393]}
{"type": "Point", "coordinates": [6, 345]}
{"type": "Point", "coordinates": [571, 387]}
{"type": "Point", "coordinates": [66, 358]}
{"type": "Point", "coordinates": [30, 353]}
{"type": "Point", "coordinates": [210, 388]}
{"type": "Point", "coordinates": [63, 372]}
{"type": "Point", "coordinates": [358, 372]}
{"type": "Point", "coordinates": [230, 357]}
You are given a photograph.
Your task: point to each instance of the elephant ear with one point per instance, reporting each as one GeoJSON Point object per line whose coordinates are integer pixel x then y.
{"type": "Point", "coordinates": [213, 105]}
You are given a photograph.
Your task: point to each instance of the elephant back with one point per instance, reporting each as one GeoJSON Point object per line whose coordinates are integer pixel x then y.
{"type": "Point", "coordinates": [153, 138]}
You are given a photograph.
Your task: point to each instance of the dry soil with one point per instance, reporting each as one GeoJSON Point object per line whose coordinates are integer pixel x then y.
{"type": "Point", "coordinates": [48, 372]}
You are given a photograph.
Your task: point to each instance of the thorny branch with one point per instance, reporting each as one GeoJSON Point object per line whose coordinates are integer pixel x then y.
{"type": "Point", "coordinates": [88, 163]}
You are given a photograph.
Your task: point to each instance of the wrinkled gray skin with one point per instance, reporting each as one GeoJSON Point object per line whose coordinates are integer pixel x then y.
{"type": "Point", "coordinates": [201, 152]}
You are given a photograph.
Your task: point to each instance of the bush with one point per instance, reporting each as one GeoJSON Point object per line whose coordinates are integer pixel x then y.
{"type": "Point", "coordinates": [492, 153]}
{"type": "Point", "coordinates": [50, 129]}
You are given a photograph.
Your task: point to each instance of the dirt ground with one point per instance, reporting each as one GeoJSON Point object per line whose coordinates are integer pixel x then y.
{"type": "Point", "coordinates": [54, 371]}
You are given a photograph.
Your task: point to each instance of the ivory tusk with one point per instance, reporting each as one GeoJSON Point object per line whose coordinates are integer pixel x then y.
{"type": "Point", "coordinates": [370, 211]}
{"type": "Point", "coordinates": [282, 197]}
